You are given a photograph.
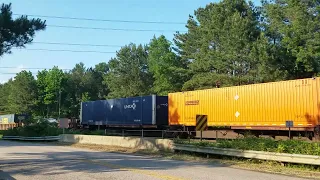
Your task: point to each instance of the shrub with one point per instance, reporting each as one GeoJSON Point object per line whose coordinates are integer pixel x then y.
{"type": "Point", "coordinates": [41, 128]}
{"type": "Point", "coordinates": [95, 132]}
{"type": "Point", "coordinates": [12, 132]}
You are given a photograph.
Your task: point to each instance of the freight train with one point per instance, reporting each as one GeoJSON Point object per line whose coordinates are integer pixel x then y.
{"type": "Point", "coordinates": [263, 109]}
{"type": "Point", "coordinates": [8, 121]}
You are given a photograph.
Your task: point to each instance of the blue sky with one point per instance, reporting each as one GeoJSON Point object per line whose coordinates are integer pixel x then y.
{"type": "Point", "coordinates": [138, 10]}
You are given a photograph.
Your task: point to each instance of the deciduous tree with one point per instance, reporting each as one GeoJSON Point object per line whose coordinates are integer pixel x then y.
{"type": "Point", "coordinates": [5, 90]}
{"type": "Point", "coordinates": [293, 29]}
{"type": "Point", "coordinates": [168, 69]}
{"type": "Point", "coordinates": [23, 93]}
{"type": "Point", "coordinates": [55, 80]}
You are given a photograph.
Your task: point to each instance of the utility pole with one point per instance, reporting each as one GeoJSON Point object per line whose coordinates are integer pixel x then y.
{"type": "Point", "coordinates": [59, 102]}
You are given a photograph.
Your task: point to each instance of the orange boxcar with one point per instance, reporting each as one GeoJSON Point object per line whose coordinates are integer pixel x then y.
{"type": "Point", "coordinates": [7, 126]}
{"type": "Point", "coordinates": [265, 106]}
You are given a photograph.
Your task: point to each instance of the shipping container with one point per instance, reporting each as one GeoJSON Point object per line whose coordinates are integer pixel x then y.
{"type": "Point", "coordinates": [264, 106]}
{"type": "Point", "coordinates": [12, 118]}
{"type": "Point", "coordinates": [132, 112]}
{"type": "Point", "coordinates": [7, 119]}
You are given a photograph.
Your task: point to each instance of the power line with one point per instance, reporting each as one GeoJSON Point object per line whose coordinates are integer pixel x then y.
{"type": "Point", "coordinates": [21, 69]}
{"type": "Point", "coordinates": [65, 50]}
{"type": "Point", "coordinates": [15, 73]}
{"type": "Point", "coordinates": [112, 29]}
{"type": "Point", "coordinates": [75, 44]}
{"type": "Point", "coordinates": [103, 20]}
{"type": "Point", "coordinates": [12, 67]}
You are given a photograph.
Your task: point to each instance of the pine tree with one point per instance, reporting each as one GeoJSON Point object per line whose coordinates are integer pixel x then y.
{"type": "Point", "coordinates": [16, 32]}
{"type": "Point", "coordinates": [129, 73]}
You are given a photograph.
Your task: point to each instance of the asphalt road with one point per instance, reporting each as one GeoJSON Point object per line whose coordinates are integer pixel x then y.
{"type": "Point", "coordinates": [40, 161]}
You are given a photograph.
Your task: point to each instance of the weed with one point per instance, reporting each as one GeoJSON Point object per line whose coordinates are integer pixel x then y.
{"type": "Point", "coordinates": [262, 144]}
{"type": "Point", "coordinates": [41, 128]}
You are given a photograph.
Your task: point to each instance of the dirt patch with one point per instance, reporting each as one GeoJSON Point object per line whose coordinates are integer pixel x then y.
{"type": "Point", "coordinates": [106, 148]}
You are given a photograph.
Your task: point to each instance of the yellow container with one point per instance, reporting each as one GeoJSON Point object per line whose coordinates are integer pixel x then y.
{"type": "Point", "coordinates": [265, 104]}
{"type": "Point", "coordinates": [5, 121]}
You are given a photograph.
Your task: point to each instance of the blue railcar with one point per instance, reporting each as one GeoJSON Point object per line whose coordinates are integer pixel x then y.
{"type": "Point", "coordinates": [143, 111]}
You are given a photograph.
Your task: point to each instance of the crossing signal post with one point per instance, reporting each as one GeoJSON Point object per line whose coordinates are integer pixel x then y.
{"type": "Point", "coordinates": [289, 124]}
{"type": "Point", "coordinates": [201, 124]}
{"type": "Point", "coordinates": [63, 123]}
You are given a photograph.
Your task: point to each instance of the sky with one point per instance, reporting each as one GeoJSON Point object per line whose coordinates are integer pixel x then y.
{"type": "Point", "coordinates": [128, 10]}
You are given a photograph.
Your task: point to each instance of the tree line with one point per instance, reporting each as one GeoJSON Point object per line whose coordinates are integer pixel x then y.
{"type": "Point", "coordinates": [229, 43]}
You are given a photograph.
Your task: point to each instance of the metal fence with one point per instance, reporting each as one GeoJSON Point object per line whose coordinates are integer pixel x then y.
{"type": "Point", "coordinates": [171, 134]}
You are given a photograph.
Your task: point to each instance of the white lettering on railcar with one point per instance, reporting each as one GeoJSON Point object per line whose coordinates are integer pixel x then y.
{"type": "Point", "coordinates": [130, 106]}
{"type": "Point", "coordinates": [159, 105]}
{"type": "Point", "coordinates": [236, 97]}
{"type": "Point", "coordinates": [237, 114]}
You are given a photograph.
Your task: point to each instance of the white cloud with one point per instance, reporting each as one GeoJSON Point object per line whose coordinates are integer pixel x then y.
{"type": "Point", "coordinates": [5, 77]}
{"type": "Point", "coordinates": [20, 67]}
{"type": "Point", "coordinates": [2, 81]}
{"type": "Point", "coordinates": [17, 69]}
{"type": "Point", "coordinates": [6, 74]}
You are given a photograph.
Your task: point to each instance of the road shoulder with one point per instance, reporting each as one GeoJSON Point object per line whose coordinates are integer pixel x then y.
{"type": "Point", "coordinates": [303, 171]}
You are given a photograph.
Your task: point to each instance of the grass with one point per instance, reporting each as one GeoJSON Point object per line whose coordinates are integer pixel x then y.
{"type": "Point", "coordinates": [85, 132]}
{"type": "Point", "coordinates": [1, 133]}
{"type": "Point", "coordinates": [261, 144]}
{"type": "Point", "coordinates": [306, 171]}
